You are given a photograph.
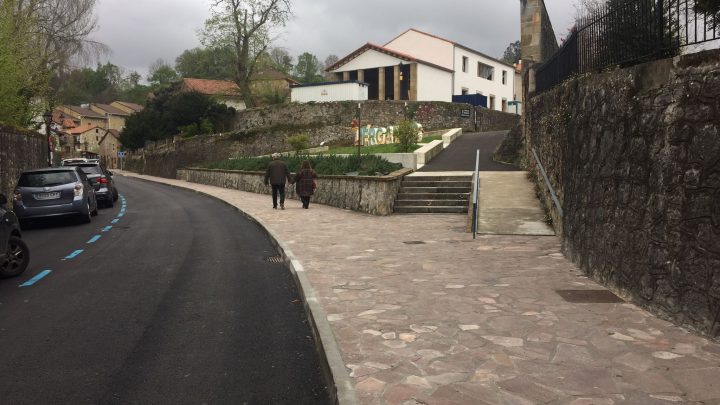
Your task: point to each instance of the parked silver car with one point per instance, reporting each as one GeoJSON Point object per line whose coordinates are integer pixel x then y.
{"type": "Point", "coordinates": [14, 253]}
{"type": "Point", "coordinates": [54, 191]}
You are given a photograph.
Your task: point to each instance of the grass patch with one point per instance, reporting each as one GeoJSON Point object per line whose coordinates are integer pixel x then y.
{"type": "Point", "coordinates": [353, 150]}
{"type": "Point", "coordinates": [366, 165]}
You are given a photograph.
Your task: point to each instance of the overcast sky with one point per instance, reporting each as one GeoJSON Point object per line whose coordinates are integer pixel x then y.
{"type": "Point", "coordinates": [140, 31]}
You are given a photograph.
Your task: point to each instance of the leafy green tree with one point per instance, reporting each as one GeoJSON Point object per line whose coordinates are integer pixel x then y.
{"type": "Point", "coordinates": [307, 69]}
{"type": "Point", "coordinates": [299, 143]}
{"type": "Point", "coordinates": [171, 113]}
{"type": "Point", "coordinates": [281, 60]}
{"type": "Point", "coordinates": [246, 26]}
{"type": "Point", "coordinates": [161, 74]}
{"type": "Point", "coordinates": [206, 63]}
{"type": "Point", "coordinates": [512, 53]}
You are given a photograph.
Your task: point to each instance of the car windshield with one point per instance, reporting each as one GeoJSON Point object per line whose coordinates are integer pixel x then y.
{"type": "Point", "coordinates": [91, 168]}
{"type": "Point", "coordinates": [46, 179]}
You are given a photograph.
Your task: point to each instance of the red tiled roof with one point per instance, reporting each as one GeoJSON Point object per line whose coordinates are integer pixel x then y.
{"type": "Point", "coordinates": [83, 112]}
{"type": "Point", "coordinates": [132, 106]}
{"type": "Point", "coordinates": [212, 87]}
{"type": "Point", "coordinates": [80, 130]}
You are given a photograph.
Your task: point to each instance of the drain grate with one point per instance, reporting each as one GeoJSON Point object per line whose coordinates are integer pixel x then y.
{"type": "Point", "coordinates": [414, 242]}
{"type": "Point", "coordinates": [274, 259]}
{"type": "Point", "coordinates": [589, 296]}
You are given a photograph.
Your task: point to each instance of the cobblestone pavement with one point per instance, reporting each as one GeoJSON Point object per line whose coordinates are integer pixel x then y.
{"type": "Point", "coordinates": [424, 314]}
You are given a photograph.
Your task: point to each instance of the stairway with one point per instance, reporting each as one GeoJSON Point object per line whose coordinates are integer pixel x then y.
{"type": "Point", "coordinates": [434, 194]}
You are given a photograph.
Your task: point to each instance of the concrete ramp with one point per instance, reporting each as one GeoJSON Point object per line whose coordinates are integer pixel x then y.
{"type": "Point", "coordinates": [508, 206]}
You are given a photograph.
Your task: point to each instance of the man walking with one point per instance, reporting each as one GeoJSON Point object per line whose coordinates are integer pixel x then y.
{"type": "Point", "coordinates": [276, 175]}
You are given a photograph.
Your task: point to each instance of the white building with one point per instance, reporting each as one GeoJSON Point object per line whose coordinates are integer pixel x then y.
{"type": "Point", "coordinates": [335, 91]}
{"type": "Point", "coordinates": [418, 66]}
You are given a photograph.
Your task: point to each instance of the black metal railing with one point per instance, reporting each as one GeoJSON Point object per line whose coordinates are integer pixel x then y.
{"type": "Point", "coordinates": [628, 32]}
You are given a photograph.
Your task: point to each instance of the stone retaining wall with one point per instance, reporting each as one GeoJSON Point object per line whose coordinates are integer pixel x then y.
{"type": "Point", "coordinates": [371, 194]}
{"type": "Point", "coordinates": [634, 156]}
{"type": "Point", "coordinates": [19, 150]}
{"type": "Point", "coordinates": [265, 130]}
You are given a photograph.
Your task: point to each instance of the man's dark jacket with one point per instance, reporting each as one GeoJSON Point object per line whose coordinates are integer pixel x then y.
{"type": "Point", "coordinates": [277, 172]}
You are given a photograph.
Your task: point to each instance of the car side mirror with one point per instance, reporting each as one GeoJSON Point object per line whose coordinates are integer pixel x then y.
{"type": "Point", "coordinates": [3, 199]}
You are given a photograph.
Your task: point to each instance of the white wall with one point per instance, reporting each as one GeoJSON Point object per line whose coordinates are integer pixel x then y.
{"type": "Point", "coordinates": [424, 47]}
{"type": "Point", "coordinates": [473, 83]}
{"type": "Point", "coordinates": [329, 92]}
{"type": "Point", "coordinates": [370, 59]}
{"type": "Point", "coordinates": [433, 84]}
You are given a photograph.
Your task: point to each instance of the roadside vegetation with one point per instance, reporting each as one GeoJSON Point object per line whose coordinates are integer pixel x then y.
{"type": "Point", "coordinates": [387, 148]}
{"type": "Point", "coordinates": [365, 165]}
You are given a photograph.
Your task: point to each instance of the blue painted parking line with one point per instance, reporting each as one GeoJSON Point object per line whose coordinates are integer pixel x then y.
{"type": "Point", "coordinates": [120, 215]}
{"type": "Point", "coordinates": [114, 221]}
{"type": "Point", "coordinates": [107, 228]}
{"type": "Point", "coordinates": [37, 278]}
{"type": "Point", "coordinates": [94, 239]}
{"type": "Point", "coordinates": [73, 254]}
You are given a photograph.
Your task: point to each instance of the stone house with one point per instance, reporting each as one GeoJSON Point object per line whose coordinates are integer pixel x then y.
{"type": "Point", "coordinates": [81, 116]}
{"type": "Point", "coordinates": [270, 81]}
{"type": "Point", "coordinates": [110, 145]}
{"type": "Point", "coordinates": [86, 140]}
{"type": "Point", "coordinates": [418, 66]}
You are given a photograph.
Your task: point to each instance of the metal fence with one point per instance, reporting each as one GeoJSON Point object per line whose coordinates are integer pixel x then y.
{"type": "Point", "coordinates": [628, 32]}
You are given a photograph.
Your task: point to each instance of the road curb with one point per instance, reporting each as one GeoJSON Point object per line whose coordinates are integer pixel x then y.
{"type": "Point", "coordinates": [335, 373]}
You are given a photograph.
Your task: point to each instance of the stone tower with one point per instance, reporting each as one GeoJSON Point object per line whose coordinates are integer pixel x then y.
{"type": "Point", "coordinates": [537, 38]}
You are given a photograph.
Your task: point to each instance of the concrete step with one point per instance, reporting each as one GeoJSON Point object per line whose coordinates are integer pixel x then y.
{"type": "Point", "coordinates": [432, 196]}
{"type": "Point", "coordinates": [434, 190]}
{"type": "Point", "coordinates": [438, 178]}
{"type": "Point", "coordinates": [431, 203]}
{"type": "Point", "coordinates": [430, 210]}
{"type": "Point", "coordinates": [408, 183]}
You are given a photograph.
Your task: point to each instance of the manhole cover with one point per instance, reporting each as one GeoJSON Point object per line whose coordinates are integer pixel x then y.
{"type": "Point", "coordinates": [589, 296]}
{"type": "Point", "coordinates": [274, 259]}
{"type": "Point", "coordinates": [414, 242]}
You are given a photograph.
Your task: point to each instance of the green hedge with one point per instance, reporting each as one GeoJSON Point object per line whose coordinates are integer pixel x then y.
{"type": "Point", "coordinates": [366, 165]}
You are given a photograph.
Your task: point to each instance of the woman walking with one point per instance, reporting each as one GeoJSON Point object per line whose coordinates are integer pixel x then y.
{"type": "Point", "coordinates": [305, 184]}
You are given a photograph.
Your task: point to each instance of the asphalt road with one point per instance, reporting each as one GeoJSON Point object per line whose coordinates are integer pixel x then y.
{"type": "Point", "coordinates": [460, 155]}
{"type": "Point", "coordinates": [175, 304]}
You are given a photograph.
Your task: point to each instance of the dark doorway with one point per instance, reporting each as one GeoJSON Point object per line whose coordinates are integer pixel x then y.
{"type": "Point", "coordinates": [353, 75]}
{"type": "Point", "coordinates": [405, 82]}
{"type": "Point", "coordinates": [389, 83]}
{"type": "Point", "coordinates": [372, 79]}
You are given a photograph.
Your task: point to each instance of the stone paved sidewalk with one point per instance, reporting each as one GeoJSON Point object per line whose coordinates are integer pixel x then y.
{"type": "Point", "coordinates": [424, 314]}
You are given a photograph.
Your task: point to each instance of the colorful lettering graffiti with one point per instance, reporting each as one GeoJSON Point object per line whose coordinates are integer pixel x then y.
{"type": "Point", "coordinates": [380, 135]}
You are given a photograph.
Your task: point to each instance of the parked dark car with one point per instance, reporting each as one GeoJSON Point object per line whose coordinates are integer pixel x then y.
{"type": "Point", "coordinates": [14, 253]}
{"type": "Point", "coordinates": [101, 179]}
{"type": "Point", "coordinates": [54, 191]}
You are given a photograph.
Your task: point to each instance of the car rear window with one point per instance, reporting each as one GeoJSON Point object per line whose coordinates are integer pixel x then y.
{"type": "Point", "coordinates": [47, 179]}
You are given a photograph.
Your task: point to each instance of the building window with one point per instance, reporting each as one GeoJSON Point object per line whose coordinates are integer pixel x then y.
{"type": "Point", "coordinates": [504, 104]}
{"type": "Point", "coordinates": [464, 91]}
{"type": "Point", "coordinates": [465, 64]}
{"type": "Point", "coordinates": [485, 71]}
{"type": "Point", "coordinates": [504, 77]}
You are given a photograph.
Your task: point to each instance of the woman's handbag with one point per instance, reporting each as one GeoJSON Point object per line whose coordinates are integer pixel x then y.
{"type": "Point", "coordinates": [314, 185]}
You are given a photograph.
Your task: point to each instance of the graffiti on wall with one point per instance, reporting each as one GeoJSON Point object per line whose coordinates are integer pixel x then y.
{"type": "Point", "coordinates": [380, 135]}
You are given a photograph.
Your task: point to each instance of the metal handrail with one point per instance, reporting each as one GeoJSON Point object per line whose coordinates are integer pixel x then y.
{"type": "Point", "coordinates": [547, 183]}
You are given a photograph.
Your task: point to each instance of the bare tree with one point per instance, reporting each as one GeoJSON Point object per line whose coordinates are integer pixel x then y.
{"type": "Point", "coordinates": [56, 33]}
{"type": "Point", "coordinates": [247, 26]}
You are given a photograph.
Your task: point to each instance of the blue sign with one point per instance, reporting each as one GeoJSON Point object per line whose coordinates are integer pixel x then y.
{"type": "Point", "coordinates": [121, 154]}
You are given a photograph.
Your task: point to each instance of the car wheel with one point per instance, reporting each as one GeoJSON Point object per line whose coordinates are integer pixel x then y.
{"type": "Point", "coordinates": [17, 257]}
{"type": "Point", "coordinates": [116, 195]}
{"type": "Point", "coordinates": [86, 218]}
{"type": "Point", "coordinates": [95, 210]}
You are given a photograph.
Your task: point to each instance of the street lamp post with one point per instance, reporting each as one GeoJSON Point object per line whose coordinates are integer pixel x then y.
{"type": "Point", "coordinates": [48, 120]}
{"type": "Point", "coordinates": [359, 130]}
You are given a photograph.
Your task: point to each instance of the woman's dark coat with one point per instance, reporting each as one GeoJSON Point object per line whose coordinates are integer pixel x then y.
{"type": "Point", "coordinates": [304, 182]}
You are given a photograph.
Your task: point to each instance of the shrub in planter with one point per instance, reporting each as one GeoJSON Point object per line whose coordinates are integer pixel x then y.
{"type": "Point", "coordinates": [406, 135]}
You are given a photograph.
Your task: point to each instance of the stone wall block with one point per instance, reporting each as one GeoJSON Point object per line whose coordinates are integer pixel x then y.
{"type": "Point", "coordinates": [639, 171]}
